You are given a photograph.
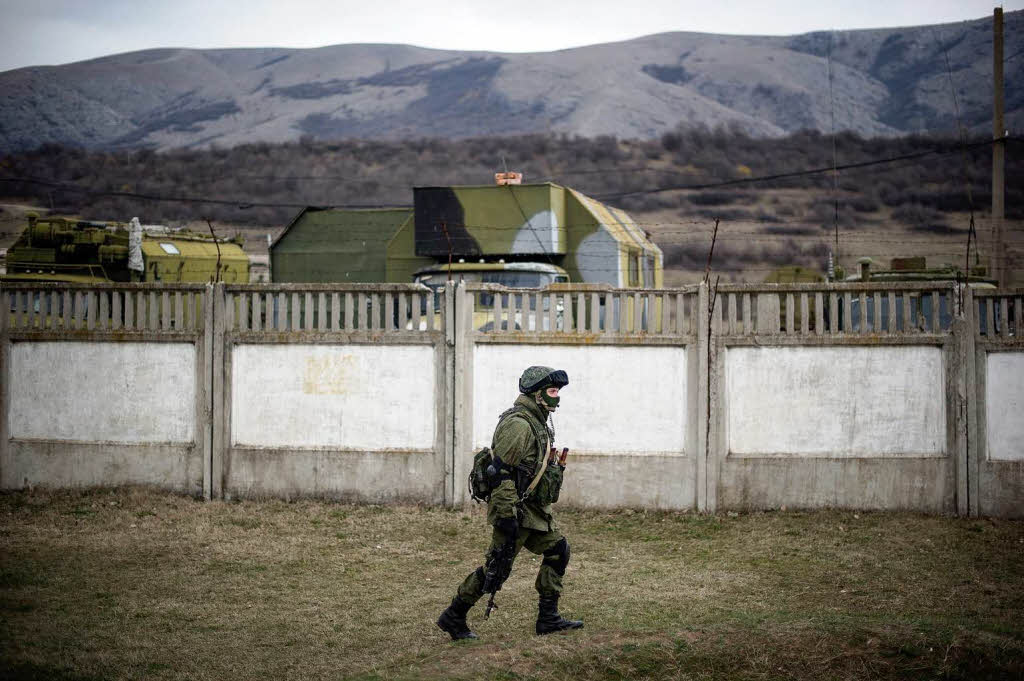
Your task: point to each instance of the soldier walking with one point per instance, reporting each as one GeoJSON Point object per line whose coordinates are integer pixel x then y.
{"type": "Point", "coordinates": [526, 480]}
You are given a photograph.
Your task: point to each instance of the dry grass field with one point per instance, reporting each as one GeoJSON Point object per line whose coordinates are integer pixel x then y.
{"type": "Point", "coordinates": [137, 584]}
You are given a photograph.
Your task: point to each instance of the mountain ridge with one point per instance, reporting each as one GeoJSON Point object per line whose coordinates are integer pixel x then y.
{"type": "Point", "coordinates": [884, 82]}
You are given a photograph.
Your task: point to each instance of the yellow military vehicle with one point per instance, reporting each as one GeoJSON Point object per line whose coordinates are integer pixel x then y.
{"type": "Point", "coordinates": [63, 249]}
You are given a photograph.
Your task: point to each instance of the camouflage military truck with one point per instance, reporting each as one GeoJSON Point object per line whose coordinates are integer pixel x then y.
{"type": "Point", "coordinates": [56, 249]}
{"type": "Point", "coordinates": [540, 223]}
{"type": "Point", "coordinates": [519, 235]}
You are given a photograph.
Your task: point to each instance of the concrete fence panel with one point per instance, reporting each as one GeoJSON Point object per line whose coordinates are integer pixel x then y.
{"type": "Point", "coordinates": [334, 391]}
{"type": "Point", "coordinates": [104, 385]}
{"type": "Point", "coordinates": [998, 466]}
{"type": "Point", "coordinates": [627, 414]}
{"type": "Point", "coordinates": [836, 395]}
{"type": "Point", "coordinates": [790, 401]}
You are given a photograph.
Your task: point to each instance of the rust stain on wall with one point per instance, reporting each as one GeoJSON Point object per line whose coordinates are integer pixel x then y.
{"type": "Point", "coordinates": [327, 375]}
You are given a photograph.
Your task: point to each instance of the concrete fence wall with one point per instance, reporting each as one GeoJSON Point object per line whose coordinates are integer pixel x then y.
{"type": "Point", "coordinates": [336, 391]}
{"type": "Point", "coordinates": [995, 383]}
{"type": "Point", "coordinates": [844, 397]}
{"type": "Point", "coordinates": [888, 396]}
{"type": "Point", "coordinates": [105, 385]}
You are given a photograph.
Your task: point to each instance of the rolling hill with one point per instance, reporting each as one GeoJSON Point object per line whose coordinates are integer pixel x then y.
{"type": "Point", "coordinates": [886, 82]}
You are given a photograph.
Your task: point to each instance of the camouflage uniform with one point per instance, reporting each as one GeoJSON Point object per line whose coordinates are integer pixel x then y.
{"type": "Point", "coordinates": [521, 441]}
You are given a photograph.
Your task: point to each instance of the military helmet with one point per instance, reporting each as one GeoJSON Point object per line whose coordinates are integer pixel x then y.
{"type": "Point", "coordinates": [537, 377]}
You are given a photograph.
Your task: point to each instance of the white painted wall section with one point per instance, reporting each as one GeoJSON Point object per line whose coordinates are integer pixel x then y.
{"type": "Point", "coordinates": [1004, 406]}
{"type": "Point", "coordinates": [369, 397]}
{"type": "Point", "coordinates": [836, 402]}
{"type": "Point", "coordinates": [103, 392]}
{"type": "Point", "coordinates": [620, 400]}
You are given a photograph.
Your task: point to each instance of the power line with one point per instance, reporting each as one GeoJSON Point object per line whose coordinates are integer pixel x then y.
{"type": "Point", "coordinates": [238, 203]}
{"type": "Point", "coordinates": [799, 173]}
{"type": "Point", "coordinates": [246, 204]}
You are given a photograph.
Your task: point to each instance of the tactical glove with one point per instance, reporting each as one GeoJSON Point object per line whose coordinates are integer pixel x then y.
{"type": "Point", "coordinates": [507, 526]}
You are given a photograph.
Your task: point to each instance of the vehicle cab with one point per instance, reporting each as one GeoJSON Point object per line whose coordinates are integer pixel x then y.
{"type": "Point", "coordinates": [514, 275]}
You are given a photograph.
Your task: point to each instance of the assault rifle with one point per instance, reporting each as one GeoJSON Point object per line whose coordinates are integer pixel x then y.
{"type": "Point", "coordinates": [499, 566]}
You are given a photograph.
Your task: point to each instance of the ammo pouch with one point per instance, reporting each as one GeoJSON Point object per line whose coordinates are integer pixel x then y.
{"type": "Point", "coordinates": [546, 491]}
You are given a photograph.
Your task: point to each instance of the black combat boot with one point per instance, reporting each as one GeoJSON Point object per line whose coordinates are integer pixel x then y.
{"type": "Point", "coordinates": [453, 620]}
{"type": "Point", "coordinates": [548, 619]}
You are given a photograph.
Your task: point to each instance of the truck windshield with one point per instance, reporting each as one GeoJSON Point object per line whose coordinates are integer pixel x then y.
{"type": "Point", "coordinates": [510, 278]}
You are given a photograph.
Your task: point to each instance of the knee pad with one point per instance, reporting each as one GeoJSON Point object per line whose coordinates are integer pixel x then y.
{"type": "Point", "coordinates": [558, 556]}
{"type": "Point", "coordinates": [480, 574]}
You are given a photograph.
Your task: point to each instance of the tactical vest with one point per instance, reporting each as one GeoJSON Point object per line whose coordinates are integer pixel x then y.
{"type": "Point", "coordinates": [527, 477]}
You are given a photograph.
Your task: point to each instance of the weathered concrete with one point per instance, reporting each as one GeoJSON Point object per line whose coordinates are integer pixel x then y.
{"type": "Point", "coordinates": [1004, 406]}
{"type": "Point", "coordinates": [103, 392]}
{"type": "Point", "coordinates": [662, 482]}
{"type": "Point", "coordinates": [926, 485]}
{"type": "Point", "coordinates": [998, 470]}
{"type": "Point", "coordinates": [682, 414]}
{"type": "Point", "coordinates": [835, 402]}
{"type": "Point", "coordinates": [44, 463]}
{"type": "Point", "coordinates": [1001, 485]}
{"type": "Point", "coordinates": [620, 400]}
{"type": "Point", "coordinates": [372, 397]}
{"type": "Point", "coordinates": [363, 476]}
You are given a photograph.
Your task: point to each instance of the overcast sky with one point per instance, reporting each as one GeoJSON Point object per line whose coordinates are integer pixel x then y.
{"type": "Point", "coordinates": [34, 32]}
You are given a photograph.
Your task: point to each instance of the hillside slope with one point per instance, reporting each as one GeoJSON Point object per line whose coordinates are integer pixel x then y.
{"type": "Point", "coordinates": [885, 82]}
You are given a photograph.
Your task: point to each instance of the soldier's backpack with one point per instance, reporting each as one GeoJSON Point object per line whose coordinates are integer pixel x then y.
{"type": "Point", "coordinates": [483, 481]}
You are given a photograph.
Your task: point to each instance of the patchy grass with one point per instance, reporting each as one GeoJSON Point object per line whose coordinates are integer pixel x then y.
{"type": "Point", "coordinates": [139, 584]}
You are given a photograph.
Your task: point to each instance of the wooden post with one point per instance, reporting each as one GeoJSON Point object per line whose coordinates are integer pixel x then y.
{"type": "Point", "coordinates": [998, 151]}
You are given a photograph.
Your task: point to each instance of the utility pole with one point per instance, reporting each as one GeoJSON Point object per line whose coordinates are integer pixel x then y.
{"type": "Point", "coordinates": [999, 259]}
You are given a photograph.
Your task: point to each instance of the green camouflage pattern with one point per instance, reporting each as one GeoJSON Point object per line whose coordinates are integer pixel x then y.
{"type": "Point", "coordinates": [515, 443]}
{"type": "Point", "coordinates": [593, 242]}
{"type": "Point", "coordinates": [533, 374]}
{"type": "Point", "coordinates": [326, 245]}
{"type": "Point", "coordinates": [548, 581]}
{"type": "Point", "coordinates": [489, 224]}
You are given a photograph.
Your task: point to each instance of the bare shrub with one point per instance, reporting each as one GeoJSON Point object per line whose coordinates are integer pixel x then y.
{"type": "Point", "coordinates": [376, 172]}
{"type": "Point", "coordinates": [916, 214]}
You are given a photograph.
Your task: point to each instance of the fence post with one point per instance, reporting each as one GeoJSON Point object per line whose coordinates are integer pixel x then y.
{"type": "Point", "coordinates": [204, 389]}
{"type": "Point", "coordinates": [971, 398]}
{"type": "Point", "coordinates": [961, 330]}
{"type": "Point", "coordinates": [705, 495]}
{"type": "Point", "coordinates": [452, 440]}
{"type": "Point", "coordinates": [215, 333]}
{"type": "Point", "coordinates": [5, 389]}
